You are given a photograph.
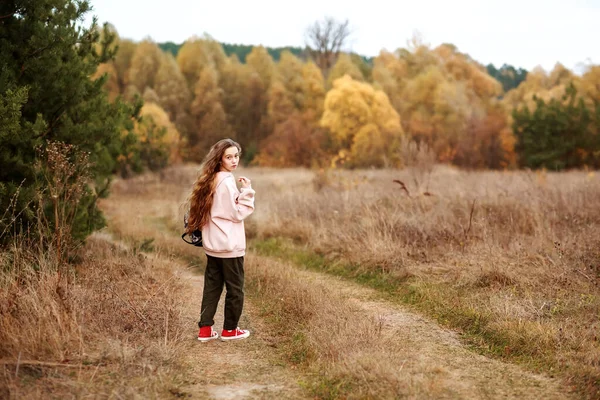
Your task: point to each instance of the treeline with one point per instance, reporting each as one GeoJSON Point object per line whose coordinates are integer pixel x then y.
{"type": "Point", "coordinates": [292, 112]}
{"type": "Point", "coordinates": [509, 76]}
{"type": "Point", "coordinates": [241, 51]}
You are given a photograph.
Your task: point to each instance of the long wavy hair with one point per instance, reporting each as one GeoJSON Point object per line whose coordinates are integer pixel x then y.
{"type": "Point", "coordinates": [200, 200]}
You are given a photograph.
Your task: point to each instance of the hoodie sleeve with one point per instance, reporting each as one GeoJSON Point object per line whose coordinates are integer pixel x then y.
{"type": "Point", "coordinates": [237, 205]}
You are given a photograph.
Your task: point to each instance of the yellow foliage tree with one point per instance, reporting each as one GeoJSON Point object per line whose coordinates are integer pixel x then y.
{"type": "Point", "coordinates": [112, 81]}
{"type": "Point", "coordinates": [197, 53]}
{"type": "Point", "coordinates": [173, 93]}
{"type": "Point", "coordinates": [479, 84]}
{"type": "Point", "coordinates": [280, 107]}
{"type": "Point", "coordinates": [261, 62]}
{"type": "Point", "coordinates": [443, 97]}
{"type": "Point", "coordinates": [541, 85]}
{"type": "Point", "coordinates": [314, 90]}
{"type": "Point", "coordinates": [363, 123]}
{"type": "Point", "coordinates": [263, 71]}
{"type": "Point", "coordinates": [150, 96]}
{"type": "Point", "coordinates": [158, 137]}
{"type": "Point", "coordinates": [344, 66]}
{"type": "Point", "coordinates": [243, 99]}
{"type": "Point", "coordinates": [210, 119]}
{"type": "Point", "coordinates": [122, 61]}
{"type": "Point", "coordinates": [589, 85]}
{"type": "Point", "coordinates": [144, 65]}
{"type": "Point", "coordinates": [289, 73]}
{"type": "Point", "coordinates": [191, 58]}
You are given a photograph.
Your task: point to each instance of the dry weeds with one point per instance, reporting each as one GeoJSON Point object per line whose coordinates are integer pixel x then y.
{"type": "Point", "coordinates": [510, 258]}
{"type": "Point", "coordinates": [364, 347]}
{"type": "Point", "coordinates": [111, 327]}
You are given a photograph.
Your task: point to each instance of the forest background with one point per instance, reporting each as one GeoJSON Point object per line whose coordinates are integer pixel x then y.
{"type": "Point", "coordinates": [131, 106]}
{"type": "Point", "coordinates": [380, 153]}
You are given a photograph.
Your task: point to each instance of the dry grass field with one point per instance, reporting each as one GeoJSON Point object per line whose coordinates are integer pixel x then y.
{"type": "Point", "coordinates": [511, 259]}
{"type": "Point", "coordinates": [509, 262]}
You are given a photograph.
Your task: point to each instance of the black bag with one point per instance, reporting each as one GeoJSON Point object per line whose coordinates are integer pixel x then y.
{"type": "Point", "coordinates": [195, 237]}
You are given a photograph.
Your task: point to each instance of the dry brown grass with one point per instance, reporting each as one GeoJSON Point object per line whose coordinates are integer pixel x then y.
{"type": "Point", "coordinates": [510, 258]}
{"type": "Point", "coordinates": [318, 330]}
{"type": "Point", "coordinates": [109, 326]}
{"type": "Point", "coordinates": [357, 346]}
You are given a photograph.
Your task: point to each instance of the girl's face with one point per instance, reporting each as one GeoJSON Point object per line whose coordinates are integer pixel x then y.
{"type": "Point", "coordinates": [230, 159]}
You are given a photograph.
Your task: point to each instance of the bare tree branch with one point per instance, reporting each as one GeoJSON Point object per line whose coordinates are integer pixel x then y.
{"type": "Point", "coordinates": [325, 39]}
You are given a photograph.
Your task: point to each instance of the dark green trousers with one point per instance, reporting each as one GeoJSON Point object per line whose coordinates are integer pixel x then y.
{"type": "Point", "coordinates": [228, 272]}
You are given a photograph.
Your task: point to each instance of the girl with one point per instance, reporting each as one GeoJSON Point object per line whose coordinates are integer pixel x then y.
{"type": "Point", "coordinates": [218, 208]}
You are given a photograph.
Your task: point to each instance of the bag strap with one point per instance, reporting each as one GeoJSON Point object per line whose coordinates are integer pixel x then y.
{"type": "Point", "coordinates": [183, 237]}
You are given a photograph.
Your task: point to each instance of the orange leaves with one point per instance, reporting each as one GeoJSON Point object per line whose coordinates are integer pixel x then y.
{"type": "Point", "coordinates": [441, 96]}
{"type": "Point", "coordinates": [294, 142]}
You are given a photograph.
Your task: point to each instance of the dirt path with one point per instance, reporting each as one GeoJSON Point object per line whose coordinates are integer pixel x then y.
{"type": "Point", "coordinates": [436, 354]}
{"type": "Point", "coordinates": [429, 359]}
{"type": "Point", "coordinates": [217, 370]}
{"type": "Point", "coordinates": [239, 369]}
{"type": "Point", "coordinates": [422, 359]}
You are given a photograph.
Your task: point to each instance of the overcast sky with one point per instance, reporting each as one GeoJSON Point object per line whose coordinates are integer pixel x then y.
{"type": "Point", "coordinates": [523, 33]}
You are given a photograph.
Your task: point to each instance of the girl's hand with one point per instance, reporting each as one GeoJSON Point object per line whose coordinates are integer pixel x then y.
{"type": "Point", "coordinates": [245, 181]}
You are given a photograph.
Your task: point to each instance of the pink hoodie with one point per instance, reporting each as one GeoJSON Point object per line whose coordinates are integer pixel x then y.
{"type": "Point", "coordinates": [224, 235]}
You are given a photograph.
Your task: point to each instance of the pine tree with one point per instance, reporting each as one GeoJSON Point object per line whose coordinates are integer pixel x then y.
{"type": "Point", "coordinates": [558, 134]}
{"type": "Point", "coordinates": [47, 95]}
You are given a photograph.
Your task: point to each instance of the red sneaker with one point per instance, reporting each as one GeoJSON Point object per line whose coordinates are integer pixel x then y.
{"type": "Point", "coordinates": [234, 334]}
{"type": "Point", "coordinates": [206, 334]}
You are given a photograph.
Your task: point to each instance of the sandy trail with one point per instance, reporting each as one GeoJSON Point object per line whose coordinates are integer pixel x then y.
{"type": "Point", "coordinates": [436, 358]}
{"type": "Point", "coordinates": [237, 369]}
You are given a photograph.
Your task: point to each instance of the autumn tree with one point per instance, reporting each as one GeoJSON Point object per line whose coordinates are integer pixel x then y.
{"type": "Point", "coordinates": [344, 66]}
{"type": "Point", "coordinates": [445, 99]}
{"type": "Point", "coordinates": [389, 74]}
{"type": "Point", "coordinates": [122, 61]}
{"type": "Point", "coordinates": [296, 142]}
{"type": "Point", "coordinates": [488, 142]}
{"type": "Point", "coordinates": [286, 94]}
{"type": "Point", "coordinates": [313, 90]}
{"type": "Point", "coordinates": [297, 139]}
{"type": "Point", "coordinates": [541, 85]}
{"type": "Point", "coordinates": [263, 70]}
{"type": "Point", "coordinates": [262, 63]}
{"type": "Point", "coordinates": [325, 39]}
{"type": "Point", "coordinates": [173, 93]}
{"type": "Point", "coordinates": [364, 125]}
{"type": "Point", "coordinates": [280, 107]}
{"type": "Point", "coordinates": [192, 58]}
{"type": "Point", "coordinates": [364, 66]}
{"type": "Point", "coordinates": [159, 141]}
{"type": "Point", "coordinates": [197, 53]}
{"type": "Point", "coordinates": [289, 73]}
{"type": "Point", "coordinates": [145, 62]}
{"type": "Point", "coordinates": [210, 119]}
{"type": "Point", "coordinates": [589, 85]}
{"type": "Point", "coordinates": [111, 84]}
